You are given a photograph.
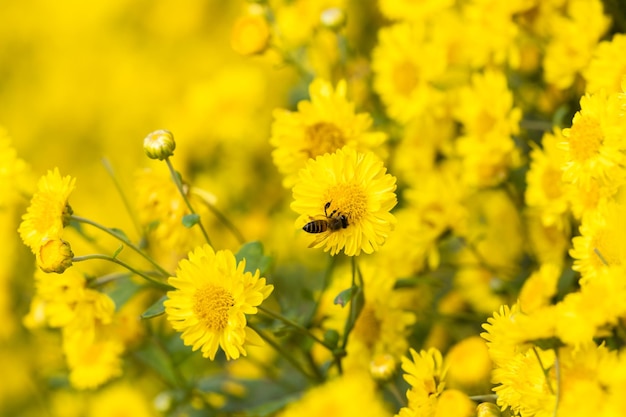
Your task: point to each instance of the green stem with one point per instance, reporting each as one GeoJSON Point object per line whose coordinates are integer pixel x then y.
{"type": "Point", "coordinates": [221, 217]}
{"type": "Point", "coordinates": [546, 372]}
{"type": "Point", "coordinates": [123, 240]}
{"type": "Point", "coordinates": [484, 398]}
{"type": "Point", "coordinates": [179, 185]}
{"type": "Point", "coordinates": [123, 264]}
{"type": "Point", "coordinates": [285, 354]}
{"type": "Point", "coordinates": [125, 201]}
{"type": "Point", "coordinates": [296, 326]}
{"type": "Point", "coordinates": [557, 372]}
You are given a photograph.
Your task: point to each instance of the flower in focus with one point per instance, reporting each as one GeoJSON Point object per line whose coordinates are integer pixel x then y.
{"type": "Point", "coordinates": [49, 210]}
{"type": "Point", "coordinates": [354, 187]}
{"type": "Point", "coordinates": [159, 144]}
{"type": "Point", "coordinates": [594, 144]}
{"type": "Point", "coordinates": [351, 395]}
{"type": "Point", "coordinates": [322, 125]}
{"type": "Point", "coordinates": [212, 297]}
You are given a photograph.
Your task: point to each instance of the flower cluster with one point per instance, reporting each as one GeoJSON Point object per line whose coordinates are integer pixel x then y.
{"type": "Point", "coordinates": [354, 192]}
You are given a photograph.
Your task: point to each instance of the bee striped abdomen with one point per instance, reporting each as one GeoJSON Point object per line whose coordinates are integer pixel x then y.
{"type": "Point", "coordinates": [316, 226]}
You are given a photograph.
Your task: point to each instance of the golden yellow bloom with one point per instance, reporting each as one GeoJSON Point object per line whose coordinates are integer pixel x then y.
{"type": "Point", "coordinates": [606, 69]}
{"type": "Point", "coordinates": [92, 363]}
{"type": "Point", "coordinates": [325, 123]}
{"type": "Point", "coordinates": [351, 395]}
{"type": "Point", "coordinates": [353, 191]}
{"type": "Point", "coordinates": [594, 144]}
{"type": "Point", "coordinates": [425, 373]}
{"type": "Point", "coordinates": [49, 210]}
{"type": "Point", "coordinates": [470, 365]}
{"type": "Point", "coordinates": [212, 297]}
{"type": "Point", "coordinates": [411, 10]}
{"type": "Point", "coordinates": [250, 34]}
{"type": "Point", "coordinates": [406, 66]}
{"type": "Point", "coordinates": [15, 175]}
{"type": "Point", "coordinates": [121, 400]}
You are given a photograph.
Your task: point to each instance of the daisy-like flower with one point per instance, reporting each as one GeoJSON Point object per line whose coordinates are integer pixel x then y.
{"type": "Point", "coordinates": [322, 125]}
{"type": "Point", "coordinates": [212, 297]}
{"type": "Point", "coordinates": [606, 69]}
{"type": "Point", "coordinates": [349, 195]}
{"type": "Point", "coordinates": [49, 210]}
{"type": "Point", "coordinates": [594, 144]}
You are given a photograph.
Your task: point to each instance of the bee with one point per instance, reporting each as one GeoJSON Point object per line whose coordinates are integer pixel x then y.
{"type": "Point", "coordinates": [326, 225]}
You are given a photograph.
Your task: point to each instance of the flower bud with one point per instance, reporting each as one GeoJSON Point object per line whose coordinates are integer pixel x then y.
{"type": "Point", "coordinates": [159, 144]}
{"type": "Point", "coordinates": [333, 18]}
{"type": "Point", "coordinates": [251, 33]}
{"type": "Point", "coordinates": [55, 255]}
{"type": "Point", "coordinates": [382, 366]}
{"type": "Point", "coordinates": [488, 410]}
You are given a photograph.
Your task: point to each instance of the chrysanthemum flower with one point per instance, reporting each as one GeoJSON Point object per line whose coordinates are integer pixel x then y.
{"type": "Point", "coordinates": [352, 395]}
{"type": "Point", "coordinates": [546, 190]}
{"type": "Point", "coordinates": [49, 210]}
{"type": "Point", "coordinates": [349, 184]}
{"type": "Point", "coordinates": [594, 144]}
{"type": "Point", "coordinates": [251, 33]}
{"type": "Point", "coordinates": [406, 66]}
{"type": "Point", "coordinates": [606, 69]}
{"type": "Point", "coordinates": [212, 297]}
{"type": "Point", "coordinates": [322, 125]}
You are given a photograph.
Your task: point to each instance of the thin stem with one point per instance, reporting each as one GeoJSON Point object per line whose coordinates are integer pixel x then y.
{"type": "Point", "coordinates": [221, 217]}
{"type": "Point", "coordinates": [599, 254]}
{"type": "Point", "coordinates": [557, 371]}
{"type": "Point", "coordinates": [284, 353]}
{"type": "Point", "coordinates": [179, 185]}
{"type": "Point", "coordinates": [125, 201]}
{"type": "Point", "coordinates": [123, 264]}
{"type": "Point", "coordinates": [295, 325]}
{"type": "Point", "coordinates": [122, 239]}
{"type": "Point", "coordinates": [545, 371]}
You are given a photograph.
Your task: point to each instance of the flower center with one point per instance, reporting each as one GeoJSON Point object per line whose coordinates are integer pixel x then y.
{"type": "Point", "coordinates": [367, 327]}
{"type": "Point", "coordinates": [405, 78]}
{"type": "Point", "coordinates": [211, 305]}
{"type": "Point", "coordinates": [585, 139]}
{"type": "Point", "coordinates": [323, 138]}
{"type": "Point", "coordinates": [347, 199]}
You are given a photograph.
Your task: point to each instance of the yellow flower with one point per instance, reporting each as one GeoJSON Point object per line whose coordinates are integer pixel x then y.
{"type": "Point", "coordinates": [406, 66]}
{"type": "Point", "coordinates": [352, 192]}
{"type": "Point", "coordinates": [49, 210]}
{"type": "Point", "coordinates": [412, 10]}
{"type": "Point", "coordinates": [15, 175]}
{"type": "Point", "coordinates": [573, 34]}
{"type": "Point", "coordinates": [55, 255]}
{"type": "Point", "coordinates": [92, 363]}
{"type": "Point", "coordinates": [351, 395]}
{"type": "Point", "coordinates": [425, 373]}
{"type": "Point", "coordinates": [606, 69]}
{"type": "Point", "coordinates": [121, 400]}
{"type": "Point", "coordinates": [251, 33]}
{"type": "Point", "coordinates": [601, 240]}
{"type": "Point", "coordinates": [595, 142]}
{"type": "Point", "coordinates": [470, 365]}
{"type": "Point", "coordinates": [546, 190]}
{"type": "Point", "coordinates": [322, 125]}
{"type": "Point", "coordinates": [212, 297]}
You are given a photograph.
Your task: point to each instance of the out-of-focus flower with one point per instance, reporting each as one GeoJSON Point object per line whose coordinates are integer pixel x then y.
{"type": "Point", "coordinates": [250, 33]}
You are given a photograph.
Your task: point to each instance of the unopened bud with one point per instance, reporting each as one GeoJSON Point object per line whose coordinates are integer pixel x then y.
{"type": "Point", "coordinates": [382, 366]}
{"type": "Point", "coordinates": [55, 255]}
{"type": "Point", "coordinates": [159, 144]}
{"type": "Point", "coordinates": [333, 18]}
{"type": "Point", "coordinates": [488, 410]}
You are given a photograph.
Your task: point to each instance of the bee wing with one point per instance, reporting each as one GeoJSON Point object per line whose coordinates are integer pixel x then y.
{"type": "Point", "coordinates": [319, 240]}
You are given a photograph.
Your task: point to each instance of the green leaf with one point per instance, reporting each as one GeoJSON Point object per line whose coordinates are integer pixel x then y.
{"type": "Point", "coordinates": [159, 360]}
{"type": "Point", "coordinates": [190, 220]}
{"type": "Point", "coordinates": [117, 251]}
{"type": "Point", "coordinates": [252, 252]}
{"type": "Point", "coordinates": [345, 296]}
{"type": "Point", "coordinates": [123, 290]}
{"type": "Point", "coordinates": [155, 309]}
{"type": "Point", "coordinates": [119, 233]}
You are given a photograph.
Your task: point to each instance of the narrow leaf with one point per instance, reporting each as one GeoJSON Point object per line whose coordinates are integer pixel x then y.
{"type": "Point", "coordinates": [155, 309]}
{"type": "Point", "coordinates": [345, 296]}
